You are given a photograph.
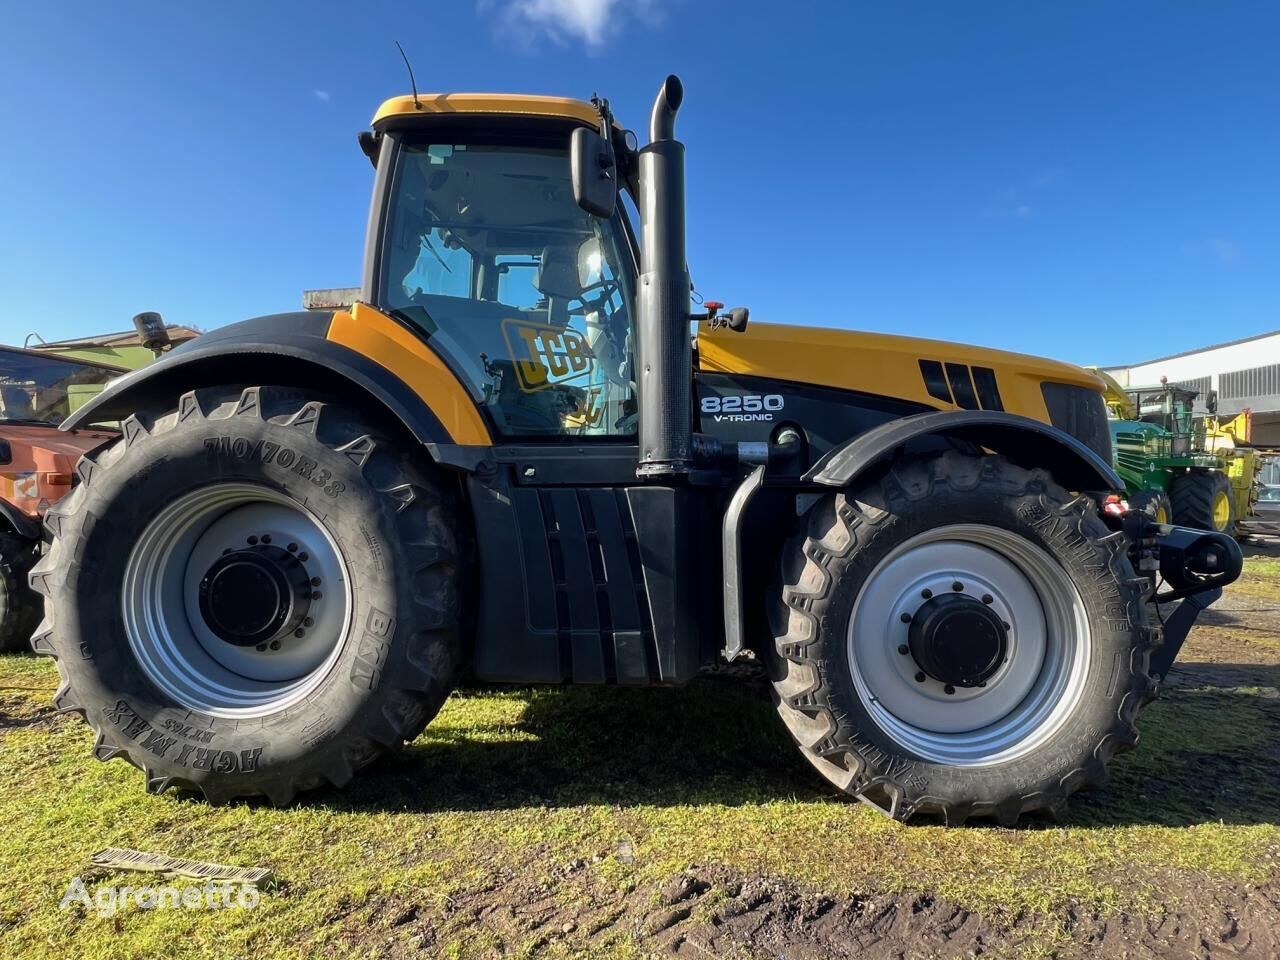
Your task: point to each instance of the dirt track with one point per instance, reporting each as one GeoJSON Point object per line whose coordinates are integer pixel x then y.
{"type": "Point", "coordinates": [713, 913]}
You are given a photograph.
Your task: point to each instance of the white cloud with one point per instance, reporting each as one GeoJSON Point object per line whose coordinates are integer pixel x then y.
{"type": "Point", "coordinates": [1010, 202]}
{"type": "Point", "coordinates": [321, 95]}
{"type": "Point", "coordinates": [591, 22]}
{"type": "Point", "coordinates": [1223, 249]}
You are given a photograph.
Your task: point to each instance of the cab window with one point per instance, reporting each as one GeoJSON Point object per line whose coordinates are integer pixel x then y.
{"type": "Point", "coordinates": [526, 296]}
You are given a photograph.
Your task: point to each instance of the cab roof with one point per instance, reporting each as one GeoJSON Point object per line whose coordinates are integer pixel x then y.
{"type": "Point", "coordinates": [508, 104]}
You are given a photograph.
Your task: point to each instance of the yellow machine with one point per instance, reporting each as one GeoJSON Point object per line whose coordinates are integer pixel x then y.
{"type": "Point", "coordinates": [512, 453]}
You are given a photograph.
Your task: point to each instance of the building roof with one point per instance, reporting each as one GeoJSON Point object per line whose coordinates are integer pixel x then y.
{"type": "Point", "coordinates": [1188, 353]}
{"type": "Point", "coordinates": [509, 104]}
{"type": "Point", "coordinates": [125, 338]}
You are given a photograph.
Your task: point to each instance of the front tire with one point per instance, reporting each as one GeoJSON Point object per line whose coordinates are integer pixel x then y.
{"type": "Point", "coordinates": [960, 637]}
{"type": "Point", "coordinates": [253, 594]}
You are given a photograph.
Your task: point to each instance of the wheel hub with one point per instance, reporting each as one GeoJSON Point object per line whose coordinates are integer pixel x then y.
{"type": "Point", "coordinates": [958, 640]}
{"type": "Point", "coordinates": [255, 595]}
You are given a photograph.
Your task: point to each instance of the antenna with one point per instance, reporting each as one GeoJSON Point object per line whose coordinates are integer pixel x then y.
{"type": "Point", "coordinates": [412, 83]}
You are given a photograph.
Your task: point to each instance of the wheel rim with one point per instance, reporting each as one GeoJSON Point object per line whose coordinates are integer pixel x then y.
{"type": "Point", "coordinates": [1008, 708]}
{"type": "Point", "coordinates": [1221, 510]}
{"type": "Point", "coordinates": [198, 591]}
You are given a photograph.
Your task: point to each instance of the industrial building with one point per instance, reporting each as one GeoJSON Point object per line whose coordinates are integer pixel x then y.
{"type": "Point", "coordinates": [1245, 373]}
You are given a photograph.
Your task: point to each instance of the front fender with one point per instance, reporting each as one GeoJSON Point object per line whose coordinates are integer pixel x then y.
{"type": "Point", "coordinates": [363, 349]}
{"type": "Point", "coordinates": [1021, 440]}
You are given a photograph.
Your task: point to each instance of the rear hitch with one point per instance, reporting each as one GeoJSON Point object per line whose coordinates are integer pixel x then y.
{"type": "Point", "coordinates": [1194, 566]}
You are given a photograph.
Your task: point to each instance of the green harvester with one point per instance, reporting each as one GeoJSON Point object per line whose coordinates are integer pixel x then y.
{"type": "Point", "coordinates": [1166, 458]}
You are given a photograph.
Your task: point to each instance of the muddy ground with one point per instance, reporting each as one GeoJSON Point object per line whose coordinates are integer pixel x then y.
{"type": "Point", "coordinates": [711, 911]}
{"type": "Point", "coordinates": [1198, 799]}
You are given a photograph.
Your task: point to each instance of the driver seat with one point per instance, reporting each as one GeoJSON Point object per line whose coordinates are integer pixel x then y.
{"type": "Point", "coordinates": [557, 281]}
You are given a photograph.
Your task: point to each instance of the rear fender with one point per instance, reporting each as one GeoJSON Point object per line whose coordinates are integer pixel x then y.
{"type": "Point", "coordinates": [360, 355]}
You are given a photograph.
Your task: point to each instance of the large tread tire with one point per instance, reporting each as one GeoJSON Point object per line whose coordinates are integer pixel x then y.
{"type": "Point", "coordinates": [1154, 503]}
{"type": "Point", "coordinates": [398, 531]}
{"type": "Point", "coordinates": [19, 606]}
{"type": "Point", "coordinates": [823, 569]}
{"type": "Point", "coordinates": [1193, 496]}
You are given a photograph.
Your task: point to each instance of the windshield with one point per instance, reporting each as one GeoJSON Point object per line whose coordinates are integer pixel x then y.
{"type": "Point", "coordinates": [36, 389]}
{"type": "Point", "coordinates": [527, 297]}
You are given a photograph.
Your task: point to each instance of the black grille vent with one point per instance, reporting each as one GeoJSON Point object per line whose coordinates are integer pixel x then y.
{"type": "Point", "coordinates": [970, 388]}
{"type": "Point", "coordinates": [1080, 412]}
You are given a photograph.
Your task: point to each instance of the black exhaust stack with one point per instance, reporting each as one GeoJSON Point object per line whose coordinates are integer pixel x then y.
{"type": "Point", "coordinates": [663, 350]}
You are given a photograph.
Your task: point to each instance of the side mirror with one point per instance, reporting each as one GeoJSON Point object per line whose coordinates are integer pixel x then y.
{"type": "Point", "coordinates": [593, 169]}
{"type": "Point", "coordinates": [1211, 401]}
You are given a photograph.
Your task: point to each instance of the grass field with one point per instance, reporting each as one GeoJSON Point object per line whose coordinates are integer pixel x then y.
{"type": "Point", "coordinates": [614, 823]}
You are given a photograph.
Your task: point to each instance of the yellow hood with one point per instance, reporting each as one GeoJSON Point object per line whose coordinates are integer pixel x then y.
{"type": "Point", "coordinates": [879, 363]}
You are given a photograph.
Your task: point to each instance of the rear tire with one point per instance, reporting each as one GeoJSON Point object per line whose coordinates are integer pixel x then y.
{"type": "Point", "coordinates": [1202, 499]}
{"type": "Point", "coordinates": [839, 671]}
{"type": "Point", "coordinates": [19, 607]}
{"type": "Point", "coordinates": [138, 617]}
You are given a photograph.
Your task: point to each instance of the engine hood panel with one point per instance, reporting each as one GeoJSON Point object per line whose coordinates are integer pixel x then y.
{"type": "Point", "coordinates": [939, 374]}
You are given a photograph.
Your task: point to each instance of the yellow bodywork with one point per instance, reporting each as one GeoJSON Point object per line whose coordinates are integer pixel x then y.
{"type": "Point", "coordinates": [1117, 400]}
{"type": "Point", "coordinates": [500, 104]}
{"type": "Point", "coordinates": [403, 354]}
{"type": "Point", "coordinates": [878, 363]}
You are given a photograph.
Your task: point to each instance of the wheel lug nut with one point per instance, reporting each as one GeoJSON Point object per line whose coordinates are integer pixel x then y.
{"type": "Point", "coordinates": [958, 587]}
{"type": "Point", "coordinates": [920, 677]}
{"type": "Point", "coordinates": [903, 649]}
{"type": "Point", "coordinates": [948, 689]}
{"type": "Point", "coordinates": [905, 618]}
{"type": "Point", "coordinates": [261, 648]}
{"type": "Point", "coordinates": [1005, 624]}
{"type": "Point", "coordinates": [315, 581]}
{"type": "Point", "coordinates": [307, 622]}
{"type": "Point", "coordinates": [926, 593]}
{"type": "Point", "coordinates": [299, 632]}
{"type": "Point", "coordinates": [988, 598]}
{"type": "Point", "coordinates": [275, 644]}
{"type": "Point", "coordinates": [315, 595]}
{"type": "Point", "coordinates": [266, 538]}
{"type": "Point", "coordinates": [303, 557]}
{"type": "Point", "coordinates": [252, 541]}
{"type": "Point", "coordinates": [292, 548]}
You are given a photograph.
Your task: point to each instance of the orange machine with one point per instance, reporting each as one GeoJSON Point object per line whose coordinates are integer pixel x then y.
{"type": "Point", "coordinates": [37, 465]}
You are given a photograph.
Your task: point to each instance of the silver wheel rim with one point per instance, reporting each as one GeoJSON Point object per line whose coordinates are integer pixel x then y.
{"type": "Point", "coordinates": [1032, 693]}
{"type": "Point", "coordinates": [175, 646]}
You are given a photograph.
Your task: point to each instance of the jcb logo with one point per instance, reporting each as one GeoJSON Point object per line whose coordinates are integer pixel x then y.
{"type": "Point", "coordinates": [545, 356]}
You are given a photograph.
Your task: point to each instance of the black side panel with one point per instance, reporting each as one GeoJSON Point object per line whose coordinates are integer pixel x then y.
{"type": "Point", "coordinates": [587, 584]}
{"type": "Point", "coordinates": [748, 409]}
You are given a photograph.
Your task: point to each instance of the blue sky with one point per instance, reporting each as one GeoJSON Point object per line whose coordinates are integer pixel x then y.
{"type": "Point", "coordinates": [1092, 181]}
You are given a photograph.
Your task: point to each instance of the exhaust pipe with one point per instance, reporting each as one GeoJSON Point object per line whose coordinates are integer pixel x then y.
{"type": "Point", "coordinates": [663, 350]}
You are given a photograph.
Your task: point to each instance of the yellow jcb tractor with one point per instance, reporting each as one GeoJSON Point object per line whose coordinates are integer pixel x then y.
{"type": "Point", "coordinates": [509, 454]}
